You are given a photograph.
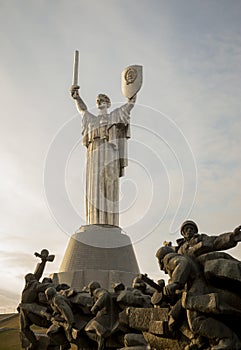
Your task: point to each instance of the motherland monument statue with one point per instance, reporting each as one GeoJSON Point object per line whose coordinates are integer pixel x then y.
{"type": "Point", "coordinates": [99, 248]}
{"type": "Point", "coordinates": [105, 137]}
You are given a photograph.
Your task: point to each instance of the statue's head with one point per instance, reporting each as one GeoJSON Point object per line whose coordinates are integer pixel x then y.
{"type": "Point", "coordinates": [97, 292]}
{"type": "Point", "coordinates": [47, 280]}
{"type": "Point", "coordinates": [119, 286]}
{"type": "Point", "coordinates": [188, 229]}
{"type": "Point", "coordinates": [62, 286]}
{"type": "Point", "coordinates": [30, 277]}
{"type": "Point", "coordinates": [50, 293]}
{"type": "Point", "coordinates": [103, 100]}
{"type": "Point", "coordinates": [92, 286]}
{"type": "Point", "coordinates": [161, 253]}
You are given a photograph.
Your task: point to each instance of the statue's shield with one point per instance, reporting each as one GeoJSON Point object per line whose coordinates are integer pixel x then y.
{"type": "Point", "coordinates": [131, 80]}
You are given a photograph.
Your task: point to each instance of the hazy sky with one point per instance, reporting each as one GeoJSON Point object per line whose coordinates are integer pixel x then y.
{"type": "Point", "coordinates": [185, 146]}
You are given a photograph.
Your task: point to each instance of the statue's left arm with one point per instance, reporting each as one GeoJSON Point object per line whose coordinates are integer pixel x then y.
{"type": "Point", "coordinates": [227, 240]}
{"type": "Point", "coordinates": [131, 102]}
{"type": "Point", "coordinates": [44, 255]}
{"type": "Point", "coordinates": [121, 115]}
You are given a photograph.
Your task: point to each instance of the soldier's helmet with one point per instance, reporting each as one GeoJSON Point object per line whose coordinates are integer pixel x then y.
{"type": "Point", "coordinates": [189, 222]}
{"type": "Point", "coordinates": [50, 293]}
{"type": "Point", "coordinates": [47, 280]}
{"type": "Point", "coordinates": [118, 286]}
{"type": "Point", "coordinates": [92, 286]}
{"type": "Point", "coordinates": [163, 251]}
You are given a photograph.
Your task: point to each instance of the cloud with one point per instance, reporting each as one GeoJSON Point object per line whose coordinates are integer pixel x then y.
{"type": "Point", "coordinates": [16, 259]}
{"type": "Point", "coordinates": [8, 301]}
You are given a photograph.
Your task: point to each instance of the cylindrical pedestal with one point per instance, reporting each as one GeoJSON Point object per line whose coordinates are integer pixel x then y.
{"type": "Point", "coordinates": [101, 253]}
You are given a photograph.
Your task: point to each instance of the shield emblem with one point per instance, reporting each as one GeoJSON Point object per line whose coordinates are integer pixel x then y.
{"type": "Point", "coordinates": [131, 80]}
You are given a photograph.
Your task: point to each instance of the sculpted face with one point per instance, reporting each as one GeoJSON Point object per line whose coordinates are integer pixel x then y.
{"type": "Point", "coordinates": [101, 104]}
{"type": "Point", "coordinates": [161, 253]}
{"type": "Point", "coordinates": [161, 264]}
{"type": "Point", "coordinates": [188, 231]}
{"type": "Point", "coordinates": [102, 101]}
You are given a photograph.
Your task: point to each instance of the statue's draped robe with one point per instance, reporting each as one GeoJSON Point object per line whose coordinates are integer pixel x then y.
{"type": "Point", "coordinates": [105, 137]}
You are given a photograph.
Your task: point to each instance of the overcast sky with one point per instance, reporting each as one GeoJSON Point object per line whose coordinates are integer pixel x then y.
{"type": "Point", "coordinates": [185, 146]}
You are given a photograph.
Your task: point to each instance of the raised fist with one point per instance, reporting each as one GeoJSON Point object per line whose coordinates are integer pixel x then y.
{"type": "Point", "coordinates": [237, 234]}
{"type": "Point", "coordinates": [132, 99]}
{"type": "Point", "coordinates": [74, 91]}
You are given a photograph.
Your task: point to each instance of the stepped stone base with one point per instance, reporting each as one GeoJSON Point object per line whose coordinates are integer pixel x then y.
{"type": "Point", "coordinates": [98, 252]}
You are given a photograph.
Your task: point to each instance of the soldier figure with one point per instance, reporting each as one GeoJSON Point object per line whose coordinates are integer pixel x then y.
{"type": "Point", "coordinates": [194, 244]}
{"type": "Point", "coordinates": [106, 319]}
{"type": "Point", "coordinates": [187, 276]}
{"type": "Point", "coordinates": [63, 319]}
{"type": "Point", "coordinates": [31, 312]}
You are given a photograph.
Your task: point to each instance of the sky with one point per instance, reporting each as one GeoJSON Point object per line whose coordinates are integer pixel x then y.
{"type": "Point", "coordinates": [184, 153]}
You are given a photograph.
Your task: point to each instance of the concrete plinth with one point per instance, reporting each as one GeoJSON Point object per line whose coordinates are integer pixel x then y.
{"type": "Point", "coordinates": [98, 252]}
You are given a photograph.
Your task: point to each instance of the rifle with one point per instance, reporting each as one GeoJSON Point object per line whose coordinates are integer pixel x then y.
{"type": "Point", "coordinates": [151, 283]}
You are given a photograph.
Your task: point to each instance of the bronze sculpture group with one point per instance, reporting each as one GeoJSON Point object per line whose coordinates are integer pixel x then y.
{"type": "Point", "coordinates": [199, 307]}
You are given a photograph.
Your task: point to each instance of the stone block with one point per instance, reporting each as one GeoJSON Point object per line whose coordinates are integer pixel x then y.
{"type": "Point", "coordinates": [158, 342]}
{"type": "Point", "coordinates": [138, 347]}
{"type": "Point", "coordinates": [140, 318]}
{"type": "Point", "coordinates": [158, 327]}
{"type": "Point", "coordinates": [133, 339]}
{"type": "Point", "coordinates": [223, 270]}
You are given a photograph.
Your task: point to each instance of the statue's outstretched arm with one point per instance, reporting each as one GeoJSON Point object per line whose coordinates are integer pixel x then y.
{"type": "Point", "coordinates": [38, 273]}
{"type": "Point", "coordinates": [44, 256]}
{"type": "Point", "coordinates": [131, 102]}
{"type": "Point", "coordinates": [74, 91]}
{"type": "Point", "coordinates": [132, 99]}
